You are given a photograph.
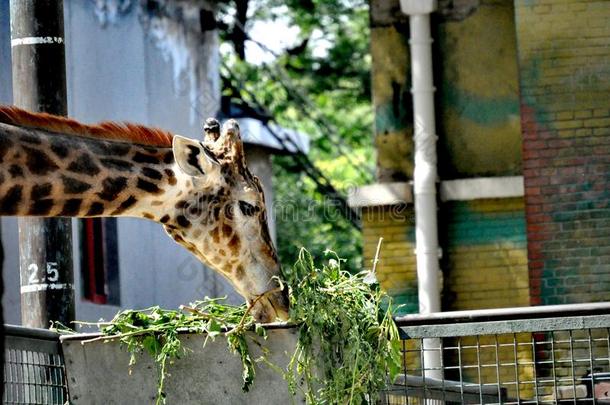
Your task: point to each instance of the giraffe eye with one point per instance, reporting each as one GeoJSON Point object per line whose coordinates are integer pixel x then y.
{"type": "Point", "coordinates": [247, 209]}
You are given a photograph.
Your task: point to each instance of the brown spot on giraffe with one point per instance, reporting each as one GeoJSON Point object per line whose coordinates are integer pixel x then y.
{"type": "Point", "coordinates": [71, 207]}
{"type": "Point", "coordinates": [239, 272]}
{"type": "Point", "coordinates": [215, 234]}
{"type": "Point", "coordinates": [96, 208]}
{"type": "Point", "coordinates": [41, 207]}
{"type": "Point", "coordinates": [183, 222]}
{"type": "Point", "coordinates": [38, 162]}
{"type": "Point", "coordinates": [148, 186]}
{"type": "Point", "coordinates": [74, 186]}
{"type": "Point", "coordinates": [16, 171]}
{"type": "Point", "coordinates": [171, 176]}
{"type": "Point", "coordinates": [40, 191]}
{"type": "Point", "coordinates": [124, 206]}
{"type": "Point", "coordinates": [234, 244]}
{"type": "Point", "coordinates": [226, 229]}
{"type": "Point", "coordinates": [112, 187]}
{"type": "Point", "coordinates": [84, 164]}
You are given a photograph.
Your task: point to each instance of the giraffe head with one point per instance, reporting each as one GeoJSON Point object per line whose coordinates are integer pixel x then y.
{"type": "Point", "coordinates": [223, 219]}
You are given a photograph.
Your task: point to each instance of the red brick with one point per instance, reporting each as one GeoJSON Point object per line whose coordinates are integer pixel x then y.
{"type": "Point", "coordinates": [529, 145]}
{"type": "Point", "coordinates": [532, 191]}
{"type": "Point", "coordinates": [532, 209]}
{"type": "Point", "coordinates": [530, 154]}
{"type": "Point", "coordinates": [537, 181]}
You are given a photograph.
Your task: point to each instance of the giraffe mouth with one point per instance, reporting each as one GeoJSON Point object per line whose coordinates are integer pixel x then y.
{"type": "Point", "coordinates": [271, 305]}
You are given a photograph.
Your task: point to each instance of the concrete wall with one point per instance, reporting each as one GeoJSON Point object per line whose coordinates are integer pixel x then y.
{"type": "Point", "coordinates": [564, 58]}
{"type": "Point", "coordinates": [116, 73]}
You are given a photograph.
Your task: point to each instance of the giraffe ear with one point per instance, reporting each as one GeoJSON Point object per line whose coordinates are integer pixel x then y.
{"type": "Point", "coordinates": [193, 157]}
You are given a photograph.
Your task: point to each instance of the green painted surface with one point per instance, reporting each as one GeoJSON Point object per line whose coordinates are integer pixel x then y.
{"type": "Point", "coordinates": [392, 117]}
{"type": "Point", "coordinates": [406, 300]}
{"type": "Point", "coordinates": [470, 226]}
{"type": "Point", "coordinates": [487, 111]}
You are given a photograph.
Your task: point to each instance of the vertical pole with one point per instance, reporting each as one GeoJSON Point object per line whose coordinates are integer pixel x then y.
{"type": "Point", "coordinates": [39, 84]}
{"type": "Point", "coordinates": [425, 173]}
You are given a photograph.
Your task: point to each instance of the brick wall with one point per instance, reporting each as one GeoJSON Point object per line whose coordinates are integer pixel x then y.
{"type": "Point", "coordinates": [485, 259]}
{"type": "Point", "coordinates": [396, 270]}
{"type": "Point", "coordinates": [564, 59]}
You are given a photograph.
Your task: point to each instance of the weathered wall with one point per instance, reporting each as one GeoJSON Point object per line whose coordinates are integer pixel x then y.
{"type": "Point", "coordinates": [391, 85]}
{"type": "Point", "coordinates": [396, 270]}
{"type": "Point", "coordinates": [477, 98]}
{"type": "Point", "coordinates": [479, 135]}
{"type": "Point", "coordinates": [564, 58]}
{"type": "Point", "coordinates": [485, 254]}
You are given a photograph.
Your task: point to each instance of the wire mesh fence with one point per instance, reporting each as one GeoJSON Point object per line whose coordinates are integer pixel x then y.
{"type": "Point", "coordinates": [544, 355]}
{"type": "Point", "coordinates": [33, 367]}
{"type": "Point", "coordinates": [560, 357]}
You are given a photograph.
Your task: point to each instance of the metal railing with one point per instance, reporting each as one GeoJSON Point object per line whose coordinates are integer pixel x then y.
{"type": "Point", "coordinates": [33, 367]}
{"type": "Point", "coordinates": [536, 355]}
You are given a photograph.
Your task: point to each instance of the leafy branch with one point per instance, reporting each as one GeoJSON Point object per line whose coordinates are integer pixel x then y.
{"type": "Point", "coordinates": [347, 343]}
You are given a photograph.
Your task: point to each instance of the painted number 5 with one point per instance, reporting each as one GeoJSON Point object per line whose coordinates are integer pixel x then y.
{"type": "Point", "coordinates": [52, 272]}
{"type": "Point", "coordinates": [51, 276]}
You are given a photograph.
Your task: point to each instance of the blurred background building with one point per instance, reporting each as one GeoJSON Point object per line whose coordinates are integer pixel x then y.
{"type": "Point", "coordinates": [523, 123]}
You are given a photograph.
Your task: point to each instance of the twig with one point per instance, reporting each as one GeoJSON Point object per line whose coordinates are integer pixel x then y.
{"type": "Point", "coordinates": [195, 311]}
{"type": "Point", "coordinates": [92, 323]}
{"type": "Point", "coordinates": [376, 260]}
{"type": "Point", "coordinates": [120, 335]}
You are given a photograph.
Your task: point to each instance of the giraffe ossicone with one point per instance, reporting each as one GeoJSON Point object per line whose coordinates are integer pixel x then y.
{"type": "Point", "coordinates": [200, 191]}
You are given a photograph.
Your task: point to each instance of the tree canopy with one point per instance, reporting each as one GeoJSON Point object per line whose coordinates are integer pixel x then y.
{"type": "Point", "coordinates": [319, 84]}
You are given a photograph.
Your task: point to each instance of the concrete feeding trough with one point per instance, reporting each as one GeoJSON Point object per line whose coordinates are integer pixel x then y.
{"type": "Point", "coordinates": [99, 373]}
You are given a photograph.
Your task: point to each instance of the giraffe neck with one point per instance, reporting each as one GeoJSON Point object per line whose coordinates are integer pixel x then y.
{"type": "Point", "coordinates": [43, 174]}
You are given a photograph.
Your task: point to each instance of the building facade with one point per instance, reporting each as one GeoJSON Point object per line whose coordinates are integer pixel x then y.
{"type": "Point", "coordinates": [522, 111]}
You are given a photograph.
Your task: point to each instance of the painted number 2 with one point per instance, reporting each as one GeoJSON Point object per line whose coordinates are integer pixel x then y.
{"type": "Point", "coordinates": [51, 276]}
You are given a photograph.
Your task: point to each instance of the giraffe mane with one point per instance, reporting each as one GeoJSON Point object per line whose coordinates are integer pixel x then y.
{"type": "Point", "coordinates": [107, 130]}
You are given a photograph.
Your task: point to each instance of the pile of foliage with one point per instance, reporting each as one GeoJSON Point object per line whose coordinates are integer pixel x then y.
{"type": "Point", "coordinates": [347, 343]}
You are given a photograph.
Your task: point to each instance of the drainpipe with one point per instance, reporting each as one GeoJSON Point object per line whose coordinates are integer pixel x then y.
{"type": "Point", "coordinates": [425, 172]}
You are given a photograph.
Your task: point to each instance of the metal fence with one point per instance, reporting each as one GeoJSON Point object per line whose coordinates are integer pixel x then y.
{"type": "Point", "coordinates": [33, 367]}
{"type": "Point", "coordinates": [537, 355]}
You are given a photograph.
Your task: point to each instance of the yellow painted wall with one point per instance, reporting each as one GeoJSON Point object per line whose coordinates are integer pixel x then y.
{"type": "Point", "coordinates": [396, 270]}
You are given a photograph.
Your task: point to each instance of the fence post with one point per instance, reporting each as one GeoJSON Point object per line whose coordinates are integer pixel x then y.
{"type": "Point", "coordinates": [39, 84]}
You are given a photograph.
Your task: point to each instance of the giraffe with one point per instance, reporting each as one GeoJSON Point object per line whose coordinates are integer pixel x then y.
{"type": "Point", "coordinates": [201, 192]}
